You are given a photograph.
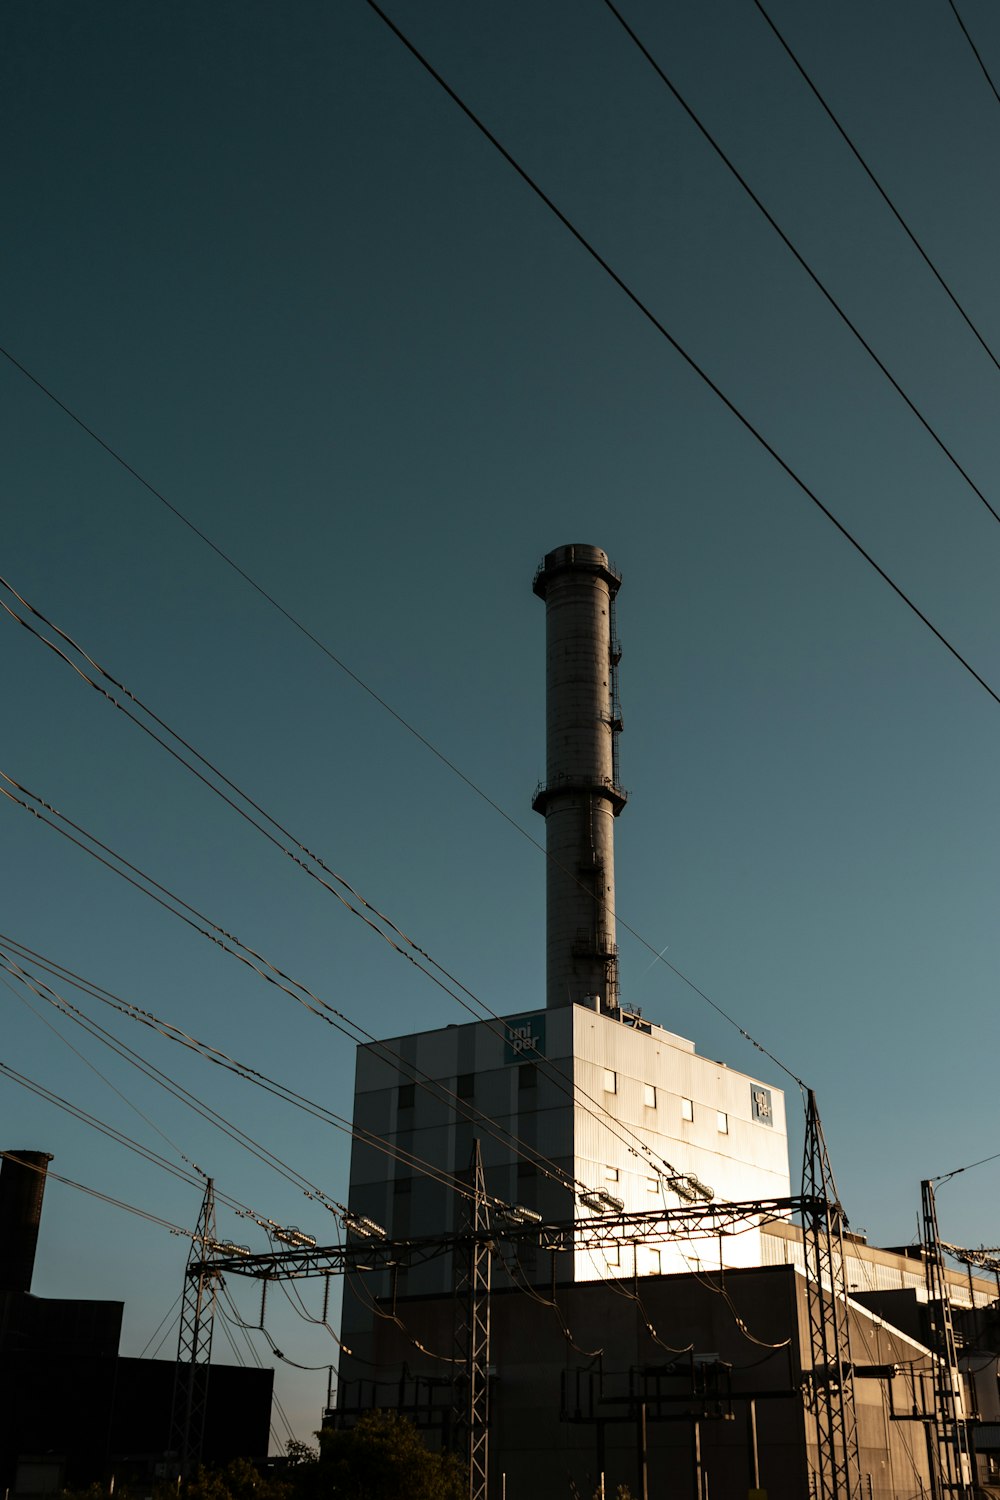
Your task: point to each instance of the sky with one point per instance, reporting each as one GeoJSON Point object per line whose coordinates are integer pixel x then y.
{"type": "Point", "coordinates": [268, 261]}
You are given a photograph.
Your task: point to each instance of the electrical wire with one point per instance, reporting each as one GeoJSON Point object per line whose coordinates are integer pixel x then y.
{"type": "Point", "coordinates": [232, 946]}
{"type": "Point", "coordinates": [975, 50]}
{"type": "Point", "coordinates": [730, 406]}
{"type": "Point", "coordinates": [381, 701]}
{"type": "Point", "coordinates": [876, 184]}
{"type": "Point", "coordinates": [130, 1208]}
{"type": "Point", "coordinates": [369, 1303]}
{"type": "Point", "coordinates": [946, 1176]}
{"type": "Point", "coordinates": [242, 1070]}
{"type": "Point", "coordinates": [163, 1321]}
{"type": "Point", "coordinates": [44, 812]}
{"type": "Point", "coordinates": [551, 1303]}
{"type": "Point", "coordinates": [500, 1028]}
{"type": "Point", "coordinates": [5, 969]}
{"type": "Point", "coordinates": [800, 258]}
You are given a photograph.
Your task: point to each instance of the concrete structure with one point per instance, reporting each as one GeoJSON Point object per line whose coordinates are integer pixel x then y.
{"type": "Point", "coordinates": [580, 797]}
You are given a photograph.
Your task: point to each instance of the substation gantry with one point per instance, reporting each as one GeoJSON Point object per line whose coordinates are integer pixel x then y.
{"type": "Point", "coordinates": [828, 1379]}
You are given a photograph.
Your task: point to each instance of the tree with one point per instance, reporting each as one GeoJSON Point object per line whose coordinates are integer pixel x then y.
{"type": "Point", "coordinates": [382, 1457]}
{"type": "Point", "coordinates": [236, 1480]}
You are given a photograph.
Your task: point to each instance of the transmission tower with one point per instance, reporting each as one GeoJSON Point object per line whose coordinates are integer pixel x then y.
{"type": "Point", "coordinates": [194, 1343]}
{"type": "Point", "coordinates": [473, 1264]}
{"type": "Point", "coordinates": [951, 1433]}
{"type": "Point", "coordinates": [831, 1377]}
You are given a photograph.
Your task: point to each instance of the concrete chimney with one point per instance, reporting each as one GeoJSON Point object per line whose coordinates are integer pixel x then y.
{"type": "Point", "coordinates": [580, 798]}
{"type": "Point", "coordinates": [22, 1185]}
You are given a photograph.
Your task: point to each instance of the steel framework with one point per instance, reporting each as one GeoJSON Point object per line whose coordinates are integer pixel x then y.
{"type": "Point", "coordinates": [473, 1265]}
{"type": "Point", "coordinates": [194, 1342]}
{"type": "Point", "coordinates": [830, 1378]}
{"type": "Point", "coordinates": [950, 1428]}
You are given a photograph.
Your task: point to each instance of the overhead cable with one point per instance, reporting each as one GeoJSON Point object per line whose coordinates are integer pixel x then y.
{"type": "Point", "coordinates": [877, 184]}
{"type": "Point", "coordinates": [730, 406]}
{"type": "Point", "coordinates": [975, 50]}
{"type": "Point", "coordinates": [305, 859]}
{"type": "Point", "coordinates": [383, 703]}
{"type": "Point", "coordinates": [800, 258]}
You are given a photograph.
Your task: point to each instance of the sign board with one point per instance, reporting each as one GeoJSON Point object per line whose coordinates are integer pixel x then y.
{"type": "Point", "coordinates": [760, 1104]}
{"type": "Point", "coordinates": [525, 1038]}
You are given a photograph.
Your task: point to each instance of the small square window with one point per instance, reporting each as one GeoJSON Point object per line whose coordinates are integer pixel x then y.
{"type": "Point", "coordinates": [655, 1265]}
{"type": "Point", "coordinates": [612, 1255]}
{"type": "Point", "coordinates": [526, 1169]}
{"type": "Point", "coordinates": [527, 1076]}
{"type": "Point", "coordinates": [402, 1185]}
{"type": "Point", "coordinates": [465, 1085]}
{"type": "Point", "coordinates": [610, 1174]}
{"type": "Point", "coordinates": [610, 1081]}
{"type": "Point", "coordinates": [405, 1097]}
{"type": "Point", "coordinates": [649, 1095]}
{"type": "Point", "coordinates": [652, 1185]}
{"type": "Point", "coordinates": [687, 1109]}
{"type": "Point", "coordinates": [722, 1122]}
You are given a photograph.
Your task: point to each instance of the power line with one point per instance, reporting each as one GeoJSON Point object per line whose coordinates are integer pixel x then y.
{"type": "Point", "coordinates": [975, 50]}
{"type": "Point", "coordinates": [304, 859]}
{"type": "Point", "coordinates": [878, 186]}
{"type": "Point", "coordinates": [813, 276]}
{"type": "Point", "coordinates": [230, 1064]}
{"type": "Point", "coordinates": [82, 1187]}
{"type": "Point", "coordinates": [394, 713]}
{"type": "Point", "coordinates": [703, 375]}
{"type": "Point", "coordinates": [253, 959]}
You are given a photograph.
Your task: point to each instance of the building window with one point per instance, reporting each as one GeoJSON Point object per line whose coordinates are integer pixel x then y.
{"type": "Point", "coordinates": [687, 1109]}
{"type": "Point", "coordinates": [722, 1122]}
{"type": "Point", "coordinates": [610, 1081]}
{"type": "Point", "coordinates": [526, 1169]}
{"type": "Point", "coordinates": [652, 1185]}
{"type": "Point", "coordinates": [610, 1174]}
{"type": "Point", "coordinates": [612, 1255]}
{"type": "Point", "coordinates": [405, 1095]}
{"type": "Point", "coordinates": [655, 1266]}
{"type": "Point", "coordinates": [527, 1076]}
{"type": "Point", "coordinates": [465, 1085]}
{"type": "Point", "coordinates": [649, 1095]}
{"type": "Point", "coordinates": [402, 1185]}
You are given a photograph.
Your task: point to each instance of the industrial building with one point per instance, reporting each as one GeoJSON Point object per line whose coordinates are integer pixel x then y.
{"type": "Point", "coordinates": [725, 1357]}
{"type": "Point", "coordinates": [73, 1410]}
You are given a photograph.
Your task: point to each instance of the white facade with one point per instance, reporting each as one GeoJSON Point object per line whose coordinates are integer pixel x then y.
{"type": "Point", "coordinates": [618, 1106]}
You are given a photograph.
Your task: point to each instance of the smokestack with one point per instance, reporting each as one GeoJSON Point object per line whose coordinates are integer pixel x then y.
{"type": "Point", "coordinates": [581, 797]}
{"type": "Point", "coordinates": [22, 1186]}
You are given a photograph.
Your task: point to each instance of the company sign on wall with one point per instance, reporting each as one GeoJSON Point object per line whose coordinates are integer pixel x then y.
{"type": "Point", "coordinates": [760, 1101]}
{"type": "Point", "coordinates": [525, 1038]}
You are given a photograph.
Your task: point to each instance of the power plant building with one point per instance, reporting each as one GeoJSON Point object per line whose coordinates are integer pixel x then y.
{"type": "Point", "coordinates": [674, 1365]}
{"type": "Point", "coordinates": [627, 1112]}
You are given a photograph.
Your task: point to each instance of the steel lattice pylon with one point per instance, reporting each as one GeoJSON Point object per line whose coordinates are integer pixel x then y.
{"type": "Point", "coordinates": [950, 1429]}
{"type": "Point", "coordinates": [473, 1264]}
{"type": "Point", "coordinates": [194, 1342]}
{"type": "Point", "coordinates": [830, 1380]}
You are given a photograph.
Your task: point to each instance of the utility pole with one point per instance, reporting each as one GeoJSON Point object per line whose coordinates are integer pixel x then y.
{"type": "Point", "coordinates": [194, 1342]}
{"type": "Point", "coordinates": [473, 1265]}
{"type": "Point", "coordinates": [830, 1379]}
{"type": "Point", "coordinates": [951, 1434]}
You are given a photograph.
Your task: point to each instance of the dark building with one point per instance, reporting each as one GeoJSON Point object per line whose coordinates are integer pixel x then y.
{"type": "Point", "coordinates": [72, 1409]}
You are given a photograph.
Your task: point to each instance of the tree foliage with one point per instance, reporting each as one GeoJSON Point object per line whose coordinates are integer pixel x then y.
{"type": "Point", "coordinates": [383, 1457]}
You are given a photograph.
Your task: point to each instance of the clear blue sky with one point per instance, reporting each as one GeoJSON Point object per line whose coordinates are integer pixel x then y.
{"type": "Point", "coordinates": [262, 254]}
